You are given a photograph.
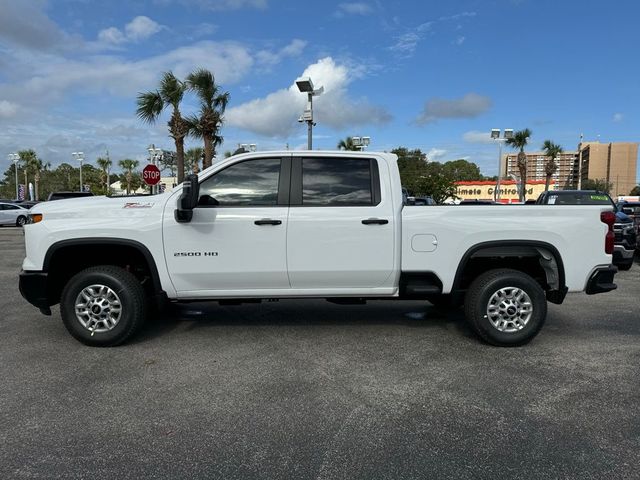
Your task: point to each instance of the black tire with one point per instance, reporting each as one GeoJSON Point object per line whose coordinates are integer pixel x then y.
{"type": "Point", "coordinates": [128, 291]}
{"type": "Point", "coordinates": [625, 266]}
{"type": "Point", "coordinates": [21, 221]}
{"type": "Point", "coordinates": [482, 290]}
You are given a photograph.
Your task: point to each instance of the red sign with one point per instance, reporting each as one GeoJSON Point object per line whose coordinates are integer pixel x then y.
{"type": "Point", "coordinates": [151, 174]}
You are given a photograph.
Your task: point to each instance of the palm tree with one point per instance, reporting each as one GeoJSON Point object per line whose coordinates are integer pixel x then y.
{"type": "Point", "coordinates": [347, 144]}
{"type": "Point", "coordinates": [34, 165]}
{"type": "Point", "coordinates": [105, 165]}
{"type": "Point", "coordinates": [206, 124]}
{"type": "Point", "coordinates": [128, 165]}
{"type": "Point", "coordinates": [151, 105]}
{"type": "Point", "coordinates": [192, 159]}
{"type": "Point", "coordinates": [519, 141]}
{"type": "Point", "coordinates": [551, 151]}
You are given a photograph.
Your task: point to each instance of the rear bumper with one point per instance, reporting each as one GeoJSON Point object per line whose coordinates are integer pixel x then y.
{"type": "Point", "coordinates": [34, 288]}
{"type": "Point", "coordinates": [602, 280]}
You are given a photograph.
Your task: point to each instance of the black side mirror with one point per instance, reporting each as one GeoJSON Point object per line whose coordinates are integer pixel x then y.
{"type": "Point", "coordinates": [188, 199]}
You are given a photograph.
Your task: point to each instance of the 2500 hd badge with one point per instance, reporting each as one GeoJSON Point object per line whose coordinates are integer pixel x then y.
{"type": "Point", "coordinates": [195, 254]}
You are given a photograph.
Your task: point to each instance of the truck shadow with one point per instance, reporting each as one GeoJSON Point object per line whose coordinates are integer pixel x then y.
{"type": "Point", "coordinates": [286, 313]}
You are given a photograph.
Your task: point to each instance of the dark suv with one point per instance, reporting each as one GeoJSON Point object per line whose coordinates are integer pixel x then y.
{"type": "Point", "coordinates": [624, 230]}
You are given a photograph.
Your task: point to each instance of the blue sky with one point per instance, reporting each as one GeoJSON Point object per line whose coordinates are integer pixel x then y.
{"type": "Point", "coordinates": [422, 74]}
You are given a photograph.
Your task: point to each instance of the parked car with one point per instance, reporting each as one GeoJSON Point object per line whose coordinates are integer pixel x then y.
{"type": "Point", "coordinates": [268, 225]}
{"type": "Point", "coordinates": [632, 210]}
{"type": "Point", "coordinates": [12, 214]}
{"type": "Point", "coordinates": [625, 242]}
{"type": "Point", "coordinates": [478, 202]}
{"type": "Point", "coordinates": [63, 195]}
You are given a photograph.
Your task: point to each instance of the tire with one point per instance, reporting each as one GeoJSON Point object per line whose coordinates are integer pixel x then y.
{"type": "Point", "coordinates": [100, 322]}
{"type": "Point", "coordinates": [499, 317]}
{"type": "Point", "coordinates": [21, 221]}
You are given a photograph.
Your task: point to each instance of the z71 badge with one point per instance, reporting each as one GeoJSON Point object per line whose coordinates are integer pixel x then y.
{"type": "Point", "coordinates": [195, 254]}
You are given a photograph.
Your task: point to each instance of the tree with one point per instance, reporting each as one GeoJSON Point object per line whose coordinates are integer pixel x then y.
{"type": "Point", "coordinates": [105, 165]}
{"type": "Point", "coordinates": [635, 191]}
{"type": "Point", "coordinates": [519, 141]}
{"type": "Point", "coordinates": [128, 166]}
{"type": "Point", "coordinates": [33, 165]}
{"type": "Point", "coordinates": [551, 151]}
{"type": "Point", "coordinates": [599, 184]}
{"type": "Point", "coordinates": [347, 144]}
{"type": "Point", "coordinates": [151, 105]}
{"type": "Point", "coordinates": [462, 170]}
{"type": "Point", "coordinates": [213, 103]}
{"type": "Point", "coordinates": [192, 159]}
{"type": "Point", "coordinates": [420, 177]}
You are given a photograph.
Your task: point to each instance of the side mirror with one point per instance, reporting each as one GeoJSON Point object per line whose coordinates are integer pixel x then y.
{"type": "Point", "coordinates": [188, 199]}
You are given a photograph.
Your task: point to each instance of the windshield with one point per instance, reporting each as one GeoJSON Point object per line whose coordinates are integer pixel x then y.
{"type": "Point", "coordinates": [580, 198]}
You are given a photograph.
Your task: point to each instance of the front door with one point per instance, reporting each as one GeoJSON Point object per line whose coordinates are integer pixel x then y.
{"type": "Point", "coordinates": [236, 240]}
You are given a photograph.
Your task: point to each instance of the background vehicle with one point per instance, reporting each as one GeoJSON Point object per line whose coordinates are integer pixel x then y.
{"type": "Point", "coordinates": [333, 225]}
{"type": "Point", "coordinates": [12, 214]}
{"type": "Point", "coordinates": [63, 195]}
{"type": "Point", "coordinates": [624, 230]}
{"type": "Point", "coordinates": [632, 210]}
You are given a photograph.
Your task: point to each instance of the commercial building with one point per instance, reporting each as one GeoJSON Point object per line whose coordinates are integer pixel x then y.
{"type": "Point", "coordinates": [565, 177]}
{"type": "Point", "coordinates": [617, 163]}
{"type": "Point", "coordinates": [614, 162]}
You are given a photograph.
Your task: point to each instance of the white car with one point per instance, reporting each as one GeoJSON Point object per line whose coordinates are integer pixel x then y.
{"type": "Point", "coordinates": [11, 214]}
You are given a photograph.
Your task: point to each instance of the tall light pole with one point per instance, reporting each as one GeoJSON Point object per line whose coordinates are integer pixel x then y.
{"type": "Point", "coordinates": [361, 142]}
{"type": "Point", "coordinates": [15, 158]}
{"type": "Point", "coordinates": [305, 85]}
{"type": "Point", "coordinates": [155, 154]}
{"type": "Point", "coordinates": [80, 157]}
{"type": "Point", "coordinates": [495, 135]}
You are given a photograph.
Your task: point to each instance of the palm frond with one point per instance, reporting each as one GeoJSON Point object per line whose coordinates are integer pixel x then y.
{"type": "Point", "coordinates": [150, 105]}
{"type": "Point", "coordinates": [202, 82]}
{"type": "Point", "coordinates": [171, 89]}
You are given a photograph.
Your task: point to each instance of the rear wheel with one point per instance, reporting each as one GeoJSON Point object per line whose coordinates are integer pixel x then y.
{"type": "Point", "coordinates": [103, 306]}
{"type": "Point", "coordinates": [505, 307]}
{"type": "Point", "coordinates": [625, 266]}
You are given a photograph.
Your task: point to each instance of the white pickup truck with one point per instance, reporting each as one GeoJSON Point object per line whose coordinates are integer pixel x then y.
{"type": "Point", "coordinates": [308, 224]}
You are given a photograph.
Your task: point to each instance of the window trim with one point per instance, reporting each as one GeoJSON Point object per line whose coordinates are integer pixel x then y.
{"type": "Point", "coordinates": [284, 182]}
{"type": "Point", "coordinates": [296, 182]}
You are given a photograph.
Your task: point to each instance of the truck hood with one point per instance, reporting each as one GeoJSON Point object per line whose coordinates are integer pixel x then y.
{"type": "Point", "coordinates": [100, 207]}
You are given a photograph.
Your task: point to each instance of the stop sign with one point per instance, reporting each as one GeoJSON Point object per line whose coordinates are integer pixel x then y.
{"type": "Point", "coordinates": [151, 174]}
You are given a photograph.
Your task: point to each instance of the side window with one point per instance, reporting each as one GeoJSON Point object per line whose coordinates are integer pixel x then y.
{"type": "Point", "coordinates": [11, 207]}
{"type": "Point", "coordinates": [337, 182]}
{"type": "Point", "coordinates": [247, 184]}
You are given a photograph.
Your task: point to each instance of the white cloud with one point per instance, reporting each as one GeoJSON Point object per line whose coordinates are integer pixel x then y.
{"type": "Point", "coordinates": [140, 28]}
{"type": "Point", "coordinates": [469, 106]}
{"type": "Point", "coordinates": [276, 114]}
{"type": "Point", "coordinates": [353, 8]}
{"type": "Point", "coordinates": [617, 117]}
{"type": "Point", "coordinates": [460, 40]}
{"type": "Point", "coordinates": [270, 58]}
{"type": "Point", "coordinates": [405, 44]}
{"type": "Point", "coordinates": [436, 154]}
{"type": "Point", "coordinates": [474, 136]}
{"type": "Point", "coordinates": [218, 5]}
{"type": "Point", "coordinates": [7, 109]}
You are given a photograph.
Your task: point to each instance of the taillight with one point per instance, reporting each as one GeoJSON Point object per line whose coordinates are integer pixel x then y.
{"type": "Point", "coordinates": [609, 218]}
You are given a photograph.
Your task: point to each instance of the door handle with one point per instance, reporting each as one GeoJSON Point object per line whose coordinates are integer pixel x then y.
{"type": "Point", "coordinates": [268, 221]}
{"type": "Point", "coordinates": [375, 221]}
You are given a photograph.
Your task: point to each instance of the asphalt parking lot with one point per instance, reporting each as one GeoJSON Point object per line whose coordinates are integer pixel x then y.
{"type": "Point", "coordinates": [307, 389]}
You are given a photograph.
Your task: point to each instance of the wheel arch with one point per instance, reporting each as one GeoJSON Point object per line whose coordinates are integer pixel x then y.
{"type": "Point", "coordinates": [478, 259]}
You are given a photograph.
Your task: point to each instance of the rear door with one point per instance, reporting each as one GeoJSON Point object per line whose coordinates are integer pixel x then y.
{"type": "Point", "coordinates": [341, 224]}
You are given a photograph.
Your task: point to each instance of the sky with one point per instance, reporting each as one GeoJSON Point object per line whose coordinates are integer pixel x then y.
{"type": "Point", "coordinates": [425, 74]}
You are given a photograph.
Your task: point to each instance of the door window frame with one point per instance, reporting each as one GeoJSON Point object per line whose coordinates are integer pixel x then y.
{"type": "Point", "coordinates": [296, 182]}
{"type": "Point", "coordinates": [284, 183]}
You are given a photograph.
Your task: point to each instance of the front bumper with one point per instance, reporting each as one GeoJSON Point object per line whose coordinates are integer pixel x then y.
{"type": "Point", "coordinates": [34, 288]}
{"type": "Point", "coordinates": [602, 280]}
{"type": "Point", "coordinates": [621, 254]}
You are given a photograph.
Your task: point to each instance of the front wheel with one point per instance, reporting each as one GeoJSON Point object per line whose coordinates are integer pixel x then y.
{"type": "Point", "coordinates": [21, 221]}
{"type": "Point", "coordinates": [505, 307]}
{"type": "Point", "coordinates": [103, 306]}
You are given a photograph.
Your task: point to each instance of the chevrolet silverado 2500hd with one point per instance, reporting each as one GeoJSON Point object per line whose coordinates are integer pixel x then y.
{"type": "Point", "coordinates": [307, 224]}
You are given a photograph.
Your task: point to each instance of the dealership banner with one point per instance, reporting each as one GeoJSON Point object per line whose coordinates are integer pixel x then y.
{"type": "Point", "coordinates": [486, 189]}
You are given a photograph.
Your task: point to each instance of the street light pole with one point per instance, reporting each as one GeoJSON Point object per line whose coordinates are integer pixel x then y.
{"type": "Point", "coordinates": [495, 135]}
{"type": "Point", "coordinates": [305, 85]}
{"type": "Point", "coordinates": [361, 142]}
{"type": "Point", "coordinates": [80, 157]}
{"type": "Point", "coordinates": [15, 158]}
